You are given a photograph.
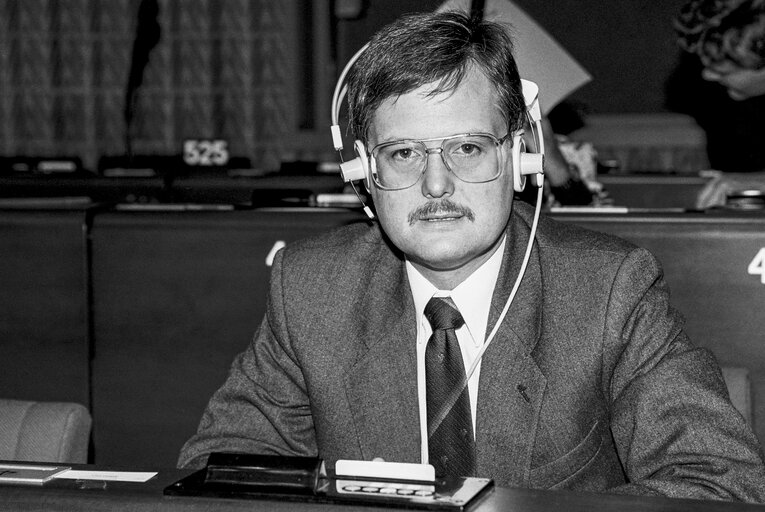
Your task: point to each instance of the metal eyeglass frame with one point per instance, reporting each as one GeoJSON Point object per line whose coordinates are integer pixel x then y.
{"type": "Point", "coordinates": [440, 150]}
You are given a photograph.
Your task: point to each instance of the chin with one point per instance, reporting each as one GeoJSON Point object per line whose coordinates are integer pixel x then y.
{"type": "Point", "coordinates": [441, 258]}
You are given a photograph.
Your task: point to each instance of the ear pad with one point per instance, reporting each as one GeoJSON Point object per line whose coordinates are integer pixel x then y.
{"type": "Point", "coordinates": [358, 168]}
{"type": "Point", "coordinates": [519, 180]}
{"type": "Point", "coordinates": [525, 163]}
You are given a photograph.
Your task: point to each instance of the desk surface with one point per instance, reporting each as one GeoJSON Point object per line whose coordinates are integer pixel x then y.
{"type": "Point", "coordinates": [149, 497]}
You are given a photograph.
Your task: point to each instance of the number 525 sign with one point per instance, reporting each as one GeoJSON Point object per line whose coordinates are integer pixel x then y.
{"type": "Point", "coordinates": [205, 152]}
{"type": "Point", "coordinates": [757, 265]}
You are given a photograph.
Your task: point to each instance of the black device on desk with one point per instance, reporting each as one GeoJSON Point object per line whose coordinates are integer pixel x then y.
{"type": "Point", "coordinates": [251, 476]}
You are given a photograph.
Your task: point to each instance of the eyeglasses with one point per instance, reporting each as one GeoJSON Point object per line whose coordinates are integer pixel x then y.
{"type": "Point", "coordinates": [471, 157]}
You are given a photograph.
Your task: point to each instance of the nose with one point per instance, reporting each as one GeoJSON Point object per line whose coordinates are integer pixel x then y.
{"type": "Point", "coordinates": [438, 180]}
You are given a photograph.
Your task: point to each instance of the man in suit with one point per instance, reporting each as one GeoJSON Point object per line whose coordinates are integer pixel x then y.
{"type": "Point", "coordinates": [371, 343]}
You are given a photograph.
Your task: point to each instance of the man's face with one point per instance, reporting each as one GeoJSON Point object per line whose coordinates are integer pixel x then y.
{"type": "Point", "coordinates": [445, 226]}
{"type": "Point", "coordinates": [741, 83]}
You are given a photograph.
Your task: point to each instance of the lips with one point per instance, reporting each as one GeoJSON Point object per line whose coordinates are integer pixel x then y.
{"type": "Point", "coordinates": [440, 211]}
{"type": "Point", "coordinates": [441, 217]}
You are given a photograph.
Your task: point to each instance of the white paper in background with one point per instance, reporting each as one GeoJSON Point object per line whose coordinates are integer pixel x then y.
{"type": "Point", "coordinates": [114, 476]}
{"type": "Point", "coordinates": [539, 56]}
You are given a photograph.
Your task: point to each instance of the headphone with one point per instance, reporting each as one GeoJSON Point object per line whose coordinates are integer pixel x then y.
{"type": "Point", "coordinates": [524, 163]}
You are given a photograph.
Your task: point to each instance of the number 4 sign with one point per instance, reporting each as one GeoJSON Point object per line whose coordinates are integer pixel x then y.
{"type": "Point", "coordinates": [757, 265]}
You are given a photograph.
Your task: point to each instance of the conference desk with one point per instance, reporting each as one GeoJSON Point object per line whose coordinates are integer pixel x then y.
{"type": "Point", "coordinates": [138, 312]}
{"type": "Point", "coordinates": [653, 190]}
{"type": "Point", "coordinates": [148, 496]}
{"type": "Point", "coordinates": [43, 303]}
{"type": "Point", "coordinates": [177, 294]}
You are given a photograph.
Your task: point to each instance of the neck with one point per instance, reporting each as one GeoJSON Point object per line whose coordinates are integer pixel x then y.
{"type": "Point", "coordinates": [450, 278]}
{"type": "Point", "coordinates": [444, 279]}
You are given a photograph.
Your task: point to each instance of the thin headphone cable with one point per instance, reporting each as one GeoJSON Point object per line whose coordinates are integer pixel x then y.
{"type": "Point", "coordinates": [455, 394]}
{"type": "Point", "coordinates": [521, 273]}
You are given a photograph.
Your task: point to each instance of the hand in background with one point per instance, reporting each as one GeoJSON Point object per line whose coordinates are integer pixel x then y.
{"type": "Point", "coordinates": [741, 83]}
{"type": "Point", "coordinates": [716, 192]}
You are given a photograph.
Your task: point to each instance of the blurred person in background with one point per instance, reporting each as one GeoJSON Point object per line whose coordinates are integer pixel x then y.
{"type": "Point", "coordinates": [721, 83]}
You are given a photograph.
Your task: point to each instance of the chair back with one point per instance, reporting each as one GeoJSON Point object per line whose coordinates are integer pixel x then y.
{"type": "Point", "coordinates": [739, 389]}
{"type": "Point", "coordinates": [44, 431]}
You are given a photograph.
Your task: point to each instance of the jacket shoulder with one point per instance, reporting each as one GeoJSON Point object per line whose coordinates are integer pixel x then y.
{"type": "Point", "coordinates": [567, 235]}
{"type": "Point", "coordinates": [555, 233]}
{"type": "Point", "coordinates": [354, 241]}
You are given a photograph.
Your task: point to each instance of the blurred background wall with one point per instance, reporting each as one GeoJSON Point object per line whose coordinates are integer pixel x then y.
{"type": "Point", "coordinates": [95, 78]}
{"type": "Point", "coordinates": [90, 78]}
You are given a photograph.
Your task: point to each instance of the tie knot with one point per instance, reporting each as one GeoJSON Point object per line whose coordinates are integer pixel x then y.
{"type": "Point", "coordinates": [442, 313]}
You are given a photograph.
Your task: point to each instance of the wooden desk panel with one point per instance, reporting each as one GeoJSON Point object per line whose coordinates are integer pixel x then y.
{"type": "Point", "coordinates": [43, 305]}
{"type": "Point", "coordinates": [653, 191]}
{"type": "Point", "coordinates": [176, 296]}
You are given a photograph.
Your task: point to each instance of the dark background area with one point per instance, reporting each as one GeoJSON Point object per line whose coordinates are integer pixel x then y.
{"type": "Point", "coordinates": [116, 79]}
{"type": "Point", "coordinates": [627, 46]}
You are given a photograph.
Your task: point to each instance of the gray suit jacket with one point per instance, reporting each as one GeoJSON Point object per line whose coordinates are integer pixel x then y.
{"type": "Point", "coordinates": [590, 384]}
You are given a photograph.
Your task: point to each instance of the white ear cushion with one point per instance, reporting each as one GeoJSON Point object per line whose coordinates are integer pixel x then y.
{"type": "Point", "coordinates": [519, 180]}
{"type": "Point", "coordinates": [358, 168]}
{"type": "Point", "coordinates": [352, 170]}
{"type": "Point", "coordinates": [361, 151]}
{"type": "Point", "coordinates": [532, 164]}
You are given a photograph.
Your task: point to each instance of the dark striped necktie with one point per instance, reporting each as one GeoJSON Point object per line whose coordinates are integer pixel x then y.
{"type": "Point", "coordinates": [451, 447]}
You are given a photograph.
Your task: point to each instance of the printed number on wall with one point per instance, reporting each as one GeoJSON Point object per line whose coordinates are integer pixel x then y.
{"type": "Point", "coordinates": [204, 152]}
{"type": "Point", "coordinates": [757, 266]}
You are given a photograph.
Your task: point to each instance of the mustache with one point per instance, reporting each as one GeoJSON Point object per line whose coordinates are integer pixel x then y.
{"type": "Point", "coordinates": [444, 206]}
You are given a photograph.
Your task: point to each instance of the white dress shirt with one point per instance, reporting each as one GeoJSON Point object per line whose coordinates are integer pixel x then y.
{"type": "Point", "coordinates": [473, 299]}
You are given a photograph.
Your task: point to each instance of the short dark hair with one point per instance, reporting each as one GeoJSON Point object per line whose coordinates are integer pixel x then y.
{"type": "Point", "coordinates": [433, 48]}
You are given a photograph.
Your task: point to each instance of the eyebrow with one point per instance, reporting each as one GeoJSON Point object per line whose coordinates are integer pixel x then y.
{"type": "Point", "coordinates": [488, 130]}
{"type": "Point", "coordinates": [428, 139]}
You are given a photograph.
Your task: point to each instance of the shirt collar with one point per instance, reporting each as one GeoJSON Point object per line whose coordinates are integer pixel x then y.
{"type": "Point", "coordinates": [472, 297]}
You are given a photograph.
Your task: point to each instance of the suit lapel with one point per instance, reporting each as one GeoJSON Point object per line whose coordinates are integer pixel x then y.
{"type": "Point", "coordinates": [511, 384]}
{"type": "Point", "coordinates": [382, 385]}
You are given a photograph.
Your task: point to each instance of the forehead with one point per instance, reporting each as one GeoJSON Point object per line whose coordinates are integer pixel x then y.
{"type": "Point", "coordinates": [471, 106]}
